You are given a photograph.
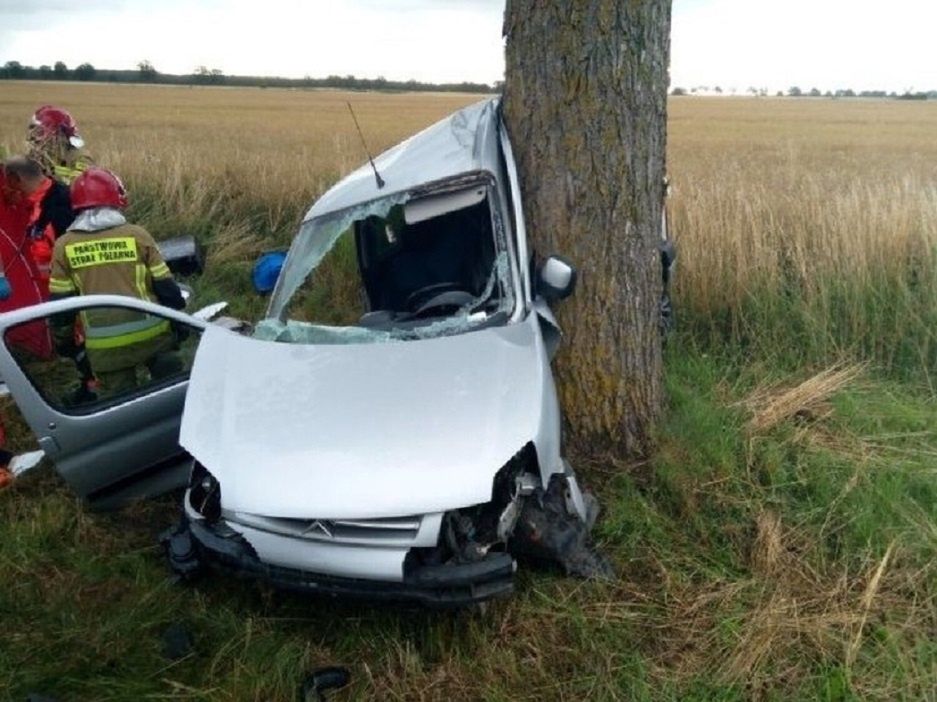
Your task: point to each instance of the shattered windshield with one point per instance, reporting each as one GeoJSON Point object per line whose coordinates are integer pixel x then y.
{"type": "Point", "coordinates": [396, 269]}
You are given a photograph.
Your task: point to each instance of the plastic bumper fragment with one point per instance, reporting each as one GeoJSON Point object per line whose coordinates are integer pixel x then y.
{"type": "Point", "coordinates": [451, 585]}
{"type": "Point", "coordinates": [548, 531]}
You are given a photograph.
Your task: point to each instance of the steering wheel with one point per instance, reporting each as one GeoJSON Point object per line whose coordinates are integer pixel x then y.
{"type": "Point", "coordinates": [437, 296]}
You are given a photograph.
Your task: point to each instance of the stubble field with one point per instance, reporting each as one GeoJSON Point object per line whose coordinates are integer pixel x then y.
{"type": "Point", "coordinates": [781, 545]}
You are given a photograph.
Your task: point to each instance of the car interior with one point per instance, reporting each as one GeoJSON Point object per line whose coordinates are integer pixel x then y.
{"type": "Point", "coordinates": [416, 267]}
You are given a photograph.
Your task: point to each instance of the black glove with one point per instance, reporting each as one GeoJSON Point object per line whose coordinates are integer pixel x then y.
{"type": "Point", "coordinates": [65, 345]}
{"type": "Point", "coordinates": [181, 331]}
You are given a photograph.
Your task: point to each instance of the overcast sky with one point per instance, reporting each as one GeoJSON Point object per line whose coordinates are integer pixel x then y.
{"type": "Point", "coordinates": [828, 44]}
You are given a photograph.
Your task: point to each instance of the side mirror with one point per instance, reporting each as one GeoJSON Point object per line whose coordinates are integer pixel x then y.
{"type": "Point", "coordinates": [556, 279]}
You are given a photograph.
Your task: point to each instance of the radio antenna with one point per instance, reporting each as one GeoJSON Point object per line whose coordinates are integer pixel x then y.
{"type": "Point", "coordinates": [377, 176]}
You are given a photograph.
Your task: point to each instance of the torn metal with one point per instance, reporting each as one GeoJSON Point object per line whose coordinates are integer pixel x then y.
{"type": "Point", "coordinates": [550, 529]}
{"type": "Point", "coordinates": [463, 143]}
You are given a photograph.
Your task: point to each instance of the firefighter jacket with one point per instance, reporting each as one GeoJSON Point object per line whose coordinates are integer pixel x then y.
{"type": "Point", "coordinates": [121, 260]}
{"type": "Point", "coordinates": [66, 174]}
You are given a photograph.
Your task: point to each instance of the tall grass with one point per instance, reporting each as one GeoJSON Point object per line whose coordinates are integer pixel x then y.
{"type": "Point", "coordinates": [808, 230]}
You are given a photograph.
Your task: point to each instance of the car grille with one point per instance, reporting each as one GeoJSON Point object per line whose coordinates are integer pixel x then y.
{"type": "Point", "coordinates": [392, 531]}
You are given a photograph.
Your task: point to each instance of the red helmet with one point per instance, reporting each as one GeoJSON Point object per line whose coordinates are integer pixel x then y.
{"type": "Point", "coordinates": [50, 121]}
{"type": "Point", "coordinates": [98, 187]}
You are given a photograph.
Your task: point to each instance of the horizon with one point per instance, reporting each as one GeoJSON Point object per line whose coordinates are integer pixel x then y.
{"type": "Point", "coordinates": [357, 82]}
{"type": "Point", "coordinates": [736, 44]}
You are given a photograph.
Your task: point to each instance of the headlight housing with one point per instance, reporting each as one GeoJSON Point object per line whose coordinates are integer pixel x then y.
{"type": "Point", "coordinates": [472, 532]}
{"type": "Point", "coordinates": [205, 493]}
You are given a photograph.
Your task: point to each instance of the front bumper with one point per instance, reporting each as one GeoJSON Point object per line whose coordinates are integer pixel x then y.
{"type": "Point", "coordinates": [194, 544]}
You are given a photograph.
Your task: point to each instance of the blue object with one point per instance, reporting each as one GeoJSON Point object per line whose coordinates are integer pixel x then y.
{"type": "Point", "coordinates": [5, 289]}
{"type": "Point", "coordinates": [267, 270]}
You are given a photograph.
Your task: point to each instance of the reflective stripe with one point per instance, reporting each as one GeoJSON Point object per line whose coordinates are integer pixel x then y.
{"type": "Point", "coordinates": [142, 287]}
{"type": "Point", "coordinates": [160, 270]}
{"type": "Point", "coordinates": [67, 174]}
{"type": "Point", "coordinates": [100, 331]}
{"type": "Point", "coordinates": [126, 334]}
{"type": "Point", "coordinates": [58, 285]}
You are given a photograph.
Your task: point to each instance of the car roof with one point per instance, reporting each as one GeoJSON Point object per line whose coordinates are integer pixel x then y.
{"type": "Point", "coordinates": [464, 142]}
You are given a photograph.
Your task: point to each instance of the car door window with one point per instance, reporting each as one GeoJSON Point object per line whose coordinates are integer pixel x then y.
{"type": "Point", "coordinates": [82, 360]}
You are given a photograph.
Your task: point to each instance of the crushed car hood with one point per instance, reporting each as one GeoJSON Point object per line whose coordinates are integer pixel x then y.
{"type": "Point", "coordinates": [362, 430]}
{"type": "Point", "coordinates": [466, 141]}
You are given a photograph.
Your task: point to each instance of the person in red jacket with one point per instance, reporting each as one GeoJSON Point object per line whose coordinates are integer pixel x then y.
{"type": "Point", "coordinates": [18, 287]}
{"type": "Point", "coordinates": [51, 211]}
{"type": "Point", "coordinates": [19, 276]}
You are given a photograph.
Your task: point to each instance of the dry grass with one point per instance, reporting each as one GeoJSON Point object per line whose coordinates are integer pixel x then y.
{"type": "Point", "coordinates": [809, 224]}
{"type": "Point", "coordinates": [202, 152]}
{"type": "Point", "coordinates": [770, 405]}
{"type": "Point", "coordinates": [803, 225]}
{"type": "Point", "coordinates": [787, 618]}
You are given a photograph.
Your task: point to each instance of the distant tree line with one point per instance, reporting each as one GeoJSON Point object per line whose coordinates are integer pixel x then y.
{"type": "Point", "coordinates": [795, 91]}
{"type": "Point", "coordinates": [203, 75]}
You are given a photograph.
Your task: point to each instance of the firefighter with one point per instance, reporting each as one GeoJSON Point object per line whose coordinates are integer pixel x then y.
{"type": "Point", "coordinates": [102, 254]}
{"type": "Point", "coordinates": [54, 142]}
{"type": "Point", "coordinates": [51, 215]}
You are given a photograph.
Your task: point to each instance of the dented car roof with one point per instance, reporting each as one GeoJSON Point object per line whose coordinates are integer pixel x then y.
{"type": "Point", "coordinates": [464, 142]}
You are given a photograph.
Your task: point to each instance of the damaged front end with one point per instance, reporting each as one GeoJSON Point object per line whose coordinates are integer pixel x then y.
{"type": "Point", "coordinates": [194, 545]}
{"type": "Point", "coordinates": [391, 429]}
{"type": "Point", "coordinates": [551, 525]}
{"type": "Point", "coordinates": [456, 558]}
{"type": "Point", "coordinates": [473, 534]}
{"type": "Point", "coordinates": [375, 559]}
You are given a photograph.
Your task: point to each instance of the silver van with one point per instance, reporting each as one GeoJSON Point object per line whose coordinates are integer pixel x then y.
{"type": "Point", "coordinates": [389, 430]}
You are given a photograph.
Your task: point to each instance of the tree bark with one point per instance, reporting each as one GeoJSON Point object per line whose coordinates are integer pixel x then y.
{"type": "Point", "coordinates": [585, 103]}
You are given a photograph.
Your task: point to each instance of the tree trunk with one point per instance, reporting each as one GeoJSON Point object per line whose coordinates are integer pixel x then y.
{"type": "Point", "coordinates": [586, 106]}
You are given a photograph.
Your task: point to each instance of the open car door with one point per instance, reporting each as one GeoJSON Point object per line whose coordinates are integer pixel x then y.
{"type": "Point", "coordinates": [105, 410]}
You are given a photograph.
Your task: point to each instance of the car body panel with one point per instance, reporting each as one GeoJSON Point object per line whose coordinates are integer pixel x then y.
{"type": "Point", "coordinates": [368, 430]}
{"type": "Point", "coordinates": [519, 224]}
{"type": "Point", "coordinates": [464, 142]}
{"type": "Point", "coordinates": [342, 560]}
{"type": "Point", "coordinates": [102, 451]}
